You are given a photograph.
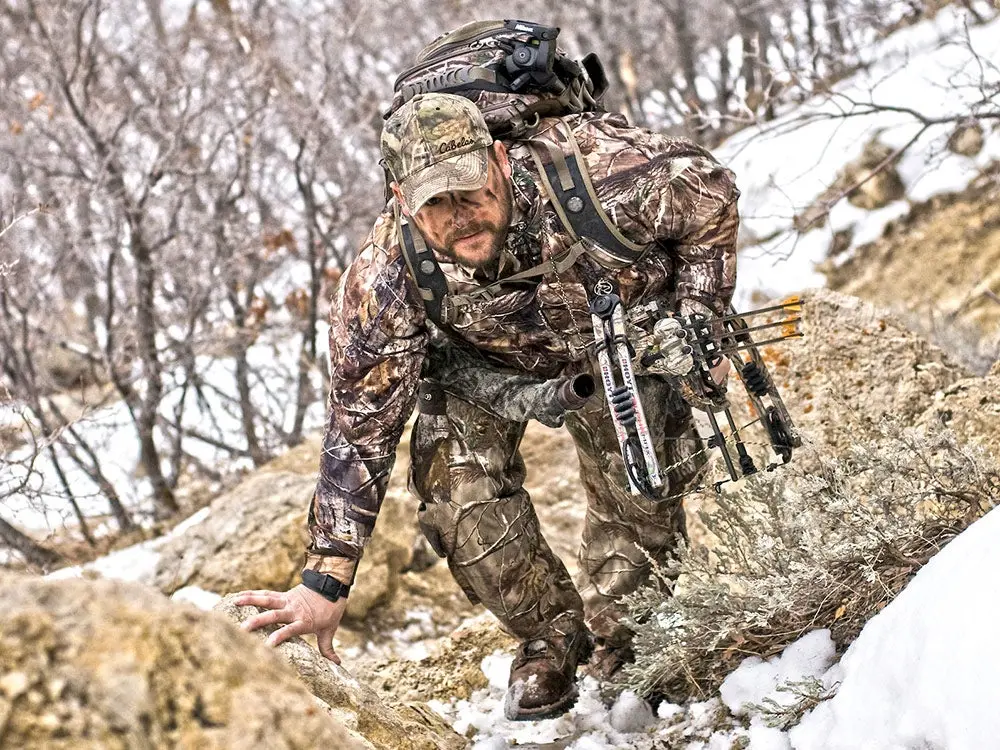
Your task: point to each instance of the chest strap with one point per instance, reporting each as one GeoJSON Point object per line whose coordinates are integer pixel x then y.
{"type": "Point", "coordinates": [424, 270]}
{"type": "Point", "coordinates": [441, 305]}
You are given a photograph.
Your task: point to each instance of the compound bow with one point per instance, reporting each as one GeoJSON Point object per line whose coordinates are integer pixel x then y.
{"type": "Point", "coordinates": [687, 349]}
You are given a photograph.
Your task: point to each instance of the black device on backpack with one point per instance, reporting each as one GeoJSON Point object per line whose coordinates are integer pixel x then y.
{"type": "Point", "coordinates": [512, 70]}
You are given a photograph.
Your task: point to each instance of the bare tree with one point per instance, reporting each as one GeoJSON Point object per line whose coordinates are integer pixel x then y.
{"type": "Point", "coordinates": [16, 472]}
{"type": "Point", "coordinates": [203, 197]}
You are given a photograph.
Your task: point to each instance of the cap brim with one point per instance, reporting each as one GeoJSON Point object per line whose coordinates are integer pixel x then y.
{"type": "Point", "coordinates": [468, 171]}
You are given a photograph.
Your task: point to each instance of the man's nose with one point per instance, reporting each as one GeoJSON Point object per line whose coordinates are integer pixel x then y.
{"type": "Point", "coordinates": [463, 210]}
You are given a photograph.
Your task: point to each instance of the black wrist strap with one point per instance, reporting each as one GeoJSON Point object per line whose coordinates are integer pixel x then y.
{"type": "Point", "coordinates": [325, 585]}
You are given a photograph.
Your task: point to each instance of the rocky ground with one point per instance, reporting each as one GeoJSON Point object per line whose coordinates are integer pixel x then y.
{"type": "Point", "coordinates": [916, 344]}
{"type": "Point", "coordinates": [411, 637]}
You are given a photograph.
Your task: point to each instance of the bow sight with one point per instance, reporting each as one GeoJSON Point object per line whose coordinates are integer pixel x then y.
{"type": "Point", "coordinates": [686, 349]}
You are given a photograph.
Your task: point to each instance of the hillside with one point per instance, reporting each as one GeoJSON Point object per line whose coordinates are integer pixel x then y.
{"type": "Point", "coordinates": [895, 388]}
{"type": "Point", "coordinates": [402, 638]}
{"type": "Point", "coordinates": [939, 267]}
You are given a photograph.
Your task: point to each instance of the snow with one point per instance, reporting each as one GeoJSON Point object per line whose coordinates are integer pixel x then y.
{"type": "Point", "coordinates": [410, 642]}
{"type": "Point", "coordinates": [782, 166]}
{"type": "Point", "coordinates": [630, 714]}
{"type": "Point", "coordinates": [923, 673]}
{"type": "Point", "coordinates": [756, 680]}
{"type": "Point", "coordinates": [136, 563]}
{"type": "Point", "coordinates": [111, 431]}
{"type": "Point", "coordinates": [198, 597]}
{"type": "Point", "coordinates": [590, 725]}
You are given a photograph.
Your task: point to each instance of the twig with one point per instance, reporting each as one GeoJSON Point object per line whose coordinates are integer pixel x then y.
{"type": "Point", "coordinates": [878, 168]}
{"type": "Point", "coordinates": [39, 209]}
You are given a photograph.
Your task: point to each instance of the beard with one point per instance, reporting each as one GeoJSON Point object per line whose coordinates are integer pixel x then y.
{"type": "Point", "coordinates": [486, 263]}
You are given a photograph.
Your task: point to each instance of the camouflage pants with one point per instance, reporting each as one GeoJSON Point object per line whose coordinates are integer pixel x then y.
{"type": "Point", "coordinates": [467, 471]}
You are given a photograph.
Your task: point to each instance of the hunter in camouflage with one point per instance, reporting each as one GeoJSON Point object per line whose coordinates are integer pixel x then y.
{"type": "Point", "coordinates": [666, 194]}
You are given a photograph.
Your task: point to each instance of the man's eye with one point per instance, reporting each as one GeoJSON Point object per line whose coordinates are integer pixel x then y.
{"type": "Point", "coordinates": [432, 201]}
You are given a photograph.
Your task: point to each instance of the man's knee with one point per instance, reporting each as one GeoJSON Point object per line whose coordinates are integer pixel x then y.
{"type": "Point", "coordinates": [614, 569]}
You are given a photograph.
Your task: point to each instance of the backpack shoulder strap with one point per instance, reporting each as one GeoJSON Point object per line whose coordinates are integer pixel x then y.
{"type": "Point", "coordinates": [440, 304]}
{"type": "Point", "coordinates": [424, 269]}
{"type": "Point", "coordinates": [568, 186]}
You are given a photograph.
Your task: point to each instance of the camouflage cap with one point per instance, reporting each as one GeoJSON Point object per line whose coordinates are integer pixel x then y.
{"type": "Point", "coordinates": [436, 143]}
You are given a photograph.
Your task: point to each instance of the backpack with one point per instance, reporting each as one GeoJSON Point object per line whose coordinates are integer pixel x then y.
{"type": "Point", "coordinates": [515, 74]}
{"type": "Point", "coordinates": [513, 71]}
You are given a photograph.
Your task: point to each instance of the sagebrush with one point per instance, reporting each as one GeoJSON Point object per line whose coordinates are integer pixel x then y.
{"type": "Point", "coordinates": [824, 543]}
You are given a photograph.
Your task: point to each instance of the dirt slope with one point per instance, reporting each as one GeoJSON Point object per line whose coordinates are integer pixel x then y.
{"type": "Point", "coordinates": [939, 268]}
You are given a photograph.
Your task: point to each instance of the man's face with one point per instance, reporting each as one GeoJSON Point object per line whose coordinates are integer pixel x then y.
{"type": "Point", "coordinates": [470, 226]}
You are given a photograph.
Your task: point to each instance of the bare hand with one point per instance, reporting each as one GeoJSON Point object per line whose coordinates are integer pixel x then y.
{"type": "Point", "coordinates": [720, 372]}
{"type": "Point", "coordinates": [302, 609]}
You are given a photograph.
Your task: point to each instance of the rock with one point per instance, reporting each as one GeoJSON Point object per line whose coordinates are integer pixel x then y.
{"type": "Point", "coordinates": [856, 361]}
{"type": "Point", "coordinates": [939, 267]}
{"type": "Point", "coordinates": [13, 685]}
{"type": "Point", "coordinates": [841, 242]}
{"type": "Point", "coordinates": [966, 139]}
{"type": "Point", "coordinates": [106, 664]}
{"type": "Point", "coordinates": [302, 459]}
{"type": "Point", "coordinates": [388, 553]}
{"type": "Point", "coordinates": [384, 726]}
{"type": "Point", "coordinates": [881, 182]}
{"type": "Point", "coordinates": [880, 186]}
{"type": "Point", "coordinates": [255, 537]}
{"type": "Point", "coordinates": [816, 214]}
{"type": "Point", "coordinates": [970, 407]}
{"type": "Point", "coordinates": [452, 671]}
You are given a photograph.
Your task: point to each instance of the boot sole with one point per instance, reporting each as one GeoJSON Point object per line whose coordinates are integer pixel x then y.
{"type": "Point", "coordinates": [549, 711]}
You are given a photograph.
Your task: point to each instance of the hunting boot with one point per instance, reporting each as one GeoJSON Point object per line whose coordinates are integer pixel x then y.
{"type": "Point", "coordinates": [542, 681]}
{"type": "Point", "coordinates": [607, 662]}
{"type": "Point", "coordinates": [606, 666]}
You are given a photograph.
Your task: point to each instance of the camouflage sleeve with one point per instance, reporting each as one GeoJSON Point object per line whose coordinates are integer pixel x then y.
{"type": "Point", "coordinates": [377, 345]}
{"type": "Point", "coordinates": [705, 248]}
{"type": "Point", "coordinates": [684, 200]}
{"type": "Point", "coordinates": [507, 394]}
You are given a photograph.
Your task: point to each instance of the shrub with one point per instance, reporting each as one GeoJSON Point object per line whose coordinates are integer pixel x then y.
{"type": "Point", "coordinates": [798, 551]}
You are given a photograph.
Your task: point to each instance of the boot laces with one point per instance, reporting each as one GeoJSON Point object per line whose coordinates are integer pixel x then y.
{"type": "Point", "coordinates": [536, 648]}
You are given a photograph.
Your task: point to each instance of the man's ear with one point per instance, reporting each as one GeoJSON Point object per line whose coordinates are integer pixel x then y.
{"type": "Point", "coordinates": [399, 198]}
{"type": "Point", "coordinates": [500, 151]}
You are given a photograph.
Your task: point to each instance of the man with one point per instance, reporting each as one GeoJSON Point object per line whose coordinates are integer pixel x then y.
{"type": "Point", "coordinates": [477, 204]}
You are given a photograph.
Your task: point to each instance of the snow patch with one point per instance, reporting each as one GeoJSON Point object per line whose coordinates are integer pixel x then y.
{"type": "Point", "coordinates": [782, 166]}
{"type": "Point", "coordinates": [756, 680]}
{"type": "Point", "coordinates": [200, 598]}
{"type": "Point", "coordinates": [136, 563]}
{"type": "Point", "coordinates": [923, 672]}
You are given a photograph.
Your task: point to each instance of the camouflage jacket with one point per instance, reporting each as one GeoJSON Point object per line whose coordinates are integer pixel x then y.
{"type": "Point", "coordinates": [662, 192]}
